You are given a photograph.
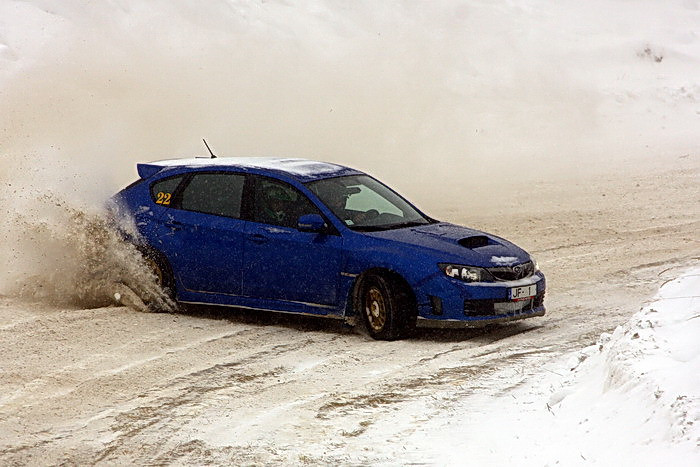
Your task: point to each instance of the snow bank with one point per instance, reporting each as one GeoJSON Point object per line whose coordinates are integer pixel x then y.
{"type": "Point", "coordinates": [635, 399]}
{"type": "Point", "coordinates": [632, 399]}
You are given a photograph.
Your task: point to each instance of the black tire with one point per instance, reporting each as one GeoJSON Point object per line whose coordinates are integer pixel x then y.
{"type": "Point", "coordinates": [386, 307]}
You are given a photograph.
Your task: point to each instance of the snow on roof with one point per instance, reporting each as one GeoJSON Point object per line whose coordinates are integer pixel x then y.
{"type": "Point", "coordinates": [299, 168]}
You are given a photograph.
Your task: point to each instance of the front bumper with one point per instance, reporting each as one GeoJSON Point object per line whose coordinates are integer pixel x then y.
{"type": "Point", "coordinates": [447, 302]}
{"type": "Point", "coordinates": [475, 323]}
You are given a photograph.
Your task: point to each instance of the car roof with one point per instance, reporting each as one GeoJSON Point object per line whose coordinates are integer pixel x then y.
{"type": "Point", "coordinates": [303, 170]}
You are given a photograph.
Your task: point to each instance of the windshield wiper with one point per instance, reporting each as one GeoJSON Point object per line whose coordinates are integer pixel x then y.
{"type": "Point", "coordinates": [367, 228]}
{"type": "Point", "coordinates": [399, 225]}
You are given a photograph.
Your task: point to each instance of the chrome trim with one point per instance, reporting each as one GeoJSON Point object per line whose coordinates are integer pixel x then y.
{"type": "Point", "coordinates": [347, 274]}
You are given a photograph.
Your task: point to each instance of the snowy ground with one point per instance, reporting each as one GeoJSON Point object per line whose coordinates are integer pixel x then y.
{"type": "Point", "coordinates": [113, 385]}
{"type": "Point", "coordinates": [569, 127]}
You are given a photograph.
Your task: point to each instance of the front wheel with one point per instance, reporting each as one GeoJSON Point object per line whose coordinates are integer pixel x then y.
{"type": "Point", "coordinates": [385, 307]}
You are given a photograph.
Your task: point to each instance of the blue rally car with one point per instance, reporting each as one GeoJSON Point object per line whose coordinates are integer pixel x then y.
{"type": "Point", "coordinates": [308, 237]}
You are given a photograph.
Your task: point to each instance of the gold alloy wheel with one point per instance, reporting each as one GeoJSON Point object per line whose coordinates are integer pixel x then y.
{"type": "Point", "coordinates": [156, 270]}
{"type": "Point", "coordinates": [375, 308]}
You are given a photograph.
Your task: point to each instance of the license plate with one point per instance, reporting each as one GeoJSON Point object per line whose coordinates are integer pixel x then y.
{"type": "Point", "coordinates": [521, 293]}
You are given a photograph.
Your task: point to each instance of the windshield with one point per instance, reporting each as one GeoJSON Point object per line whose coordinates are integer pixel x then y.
{"type": "Point", "coordinates": [363, 203]}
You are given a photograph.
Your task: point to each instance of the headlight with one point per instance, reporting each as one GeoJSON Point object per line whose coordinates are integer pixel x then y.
{"type": "Point", "coordinates": [534, 263]}
{"type": "Point", "coordinates": [464, 273]}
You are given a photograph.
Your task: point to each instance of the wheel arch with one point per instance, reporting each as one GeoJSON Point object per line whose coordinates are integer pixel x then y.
{"type": "Point", "coordinates": [149, 252]}
{"type": "Point", "coordinates": [393, 276]}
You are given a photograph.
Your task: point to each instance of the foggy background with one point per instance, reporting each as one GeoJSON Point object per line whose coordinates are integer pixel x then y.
{"type": "Point", "coordinates": [451, 102]}
{"type": "Point", "coordinates": [413, 92]}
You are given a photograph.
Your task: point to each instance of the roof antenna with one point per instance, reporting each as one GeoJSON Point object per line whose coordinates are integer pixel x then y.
{"type": "Point", "coordinates": [209, 149]}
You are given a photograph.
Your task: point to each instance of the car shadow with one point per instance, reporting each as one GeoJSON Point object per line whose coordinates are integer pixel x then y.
{"type": "Point", "coordinates": [269, 318]}
{"type": "Point", "coordinates": [489, 333]}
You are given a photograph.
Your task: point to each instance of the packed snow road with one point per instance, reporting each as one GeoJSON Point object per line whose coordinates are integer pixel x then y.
{"type": "Point", "coordinates": [112, 385]}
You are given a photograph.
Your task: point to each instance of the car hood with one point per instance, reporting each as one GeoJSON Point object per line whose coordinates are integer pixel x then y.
{"type": "Point", "coordinates": [454, 243]}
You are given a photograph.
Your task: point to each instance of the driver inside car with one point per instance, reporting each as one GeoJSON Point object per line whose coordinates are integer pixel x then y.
{"type": "Point", "coordinates": [337, 196]}
{"type": "Point", "coordinates": [276, 205]}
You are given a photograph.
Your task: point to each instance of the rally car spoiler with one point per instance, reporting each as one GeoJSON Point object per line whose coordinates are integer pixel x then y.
{"type": "Point", "coordinates": [146, 170]}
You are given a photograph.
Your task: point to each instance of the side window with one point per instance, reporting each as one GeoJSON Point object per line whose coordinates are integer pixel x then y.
{"type": "Point", "coordinates": [162, 192]}
{"type": "Point", "coordinates": [214, 193]}
{"type": "Point", "coordinates": [278, 203]}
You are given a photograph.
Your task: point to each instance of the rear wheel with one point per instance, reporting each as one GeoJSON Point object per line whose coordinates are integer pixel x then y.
{"type": "Point", "coordinates": [164, 280]}
{"type": "Point", "coordinates": [386, 308]}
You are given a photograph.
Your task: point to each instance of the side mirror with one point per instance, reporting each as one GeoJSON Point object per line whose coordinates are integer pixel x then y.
{"type": "Point", "coordinates": [311, 223]}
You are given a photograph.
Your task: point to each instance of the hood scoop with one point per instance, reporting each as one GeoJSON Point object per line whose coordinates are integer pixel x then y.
{"type": "Point", "coordinates": [475, 241]}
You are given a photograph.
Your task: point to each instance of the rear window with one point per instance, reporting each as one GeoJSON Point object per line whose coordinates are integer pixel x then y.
{"type": "Point", "coordinates": [162, 191]}
{"type": "Point", "coordinates": [214, 193]}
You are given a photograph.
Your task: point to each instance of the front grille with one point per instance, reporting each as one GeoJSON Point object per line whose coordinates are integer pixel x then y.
{"type": "Point", "coordinates": [478, 307]}
{"type": "Point", "coordinates": [512, 273]}
{"type": "Point", "coordinates": [501, 307]}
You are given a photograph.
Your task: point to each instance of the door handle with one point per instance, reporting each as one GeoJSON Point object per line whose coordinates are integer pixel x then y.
{"type": "Point", "coordinates": [259, 238]}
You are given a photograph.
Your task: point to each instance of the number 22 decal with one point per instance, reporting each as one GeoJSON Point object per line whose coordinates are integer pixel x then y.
{"type": "Point", "coordinates": [163, 198]}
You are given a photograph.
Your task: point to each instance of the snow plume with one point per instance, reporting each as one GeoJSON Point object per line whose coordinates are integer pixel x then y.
{"type": "Point", "coordinates": [62, 252]}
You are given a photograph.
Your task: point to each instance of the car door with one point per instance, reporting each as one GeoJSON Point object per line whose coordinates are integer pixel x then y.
{"type": "Point", "coordinates": [282, 262]}
{"type": "Point", "coordinates": [205, 230]}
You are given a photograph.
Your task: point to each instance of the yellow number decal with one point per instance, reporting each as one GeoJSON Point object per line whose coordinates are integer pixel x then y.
{"type": "Point", "coordinates": [163, 198]}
